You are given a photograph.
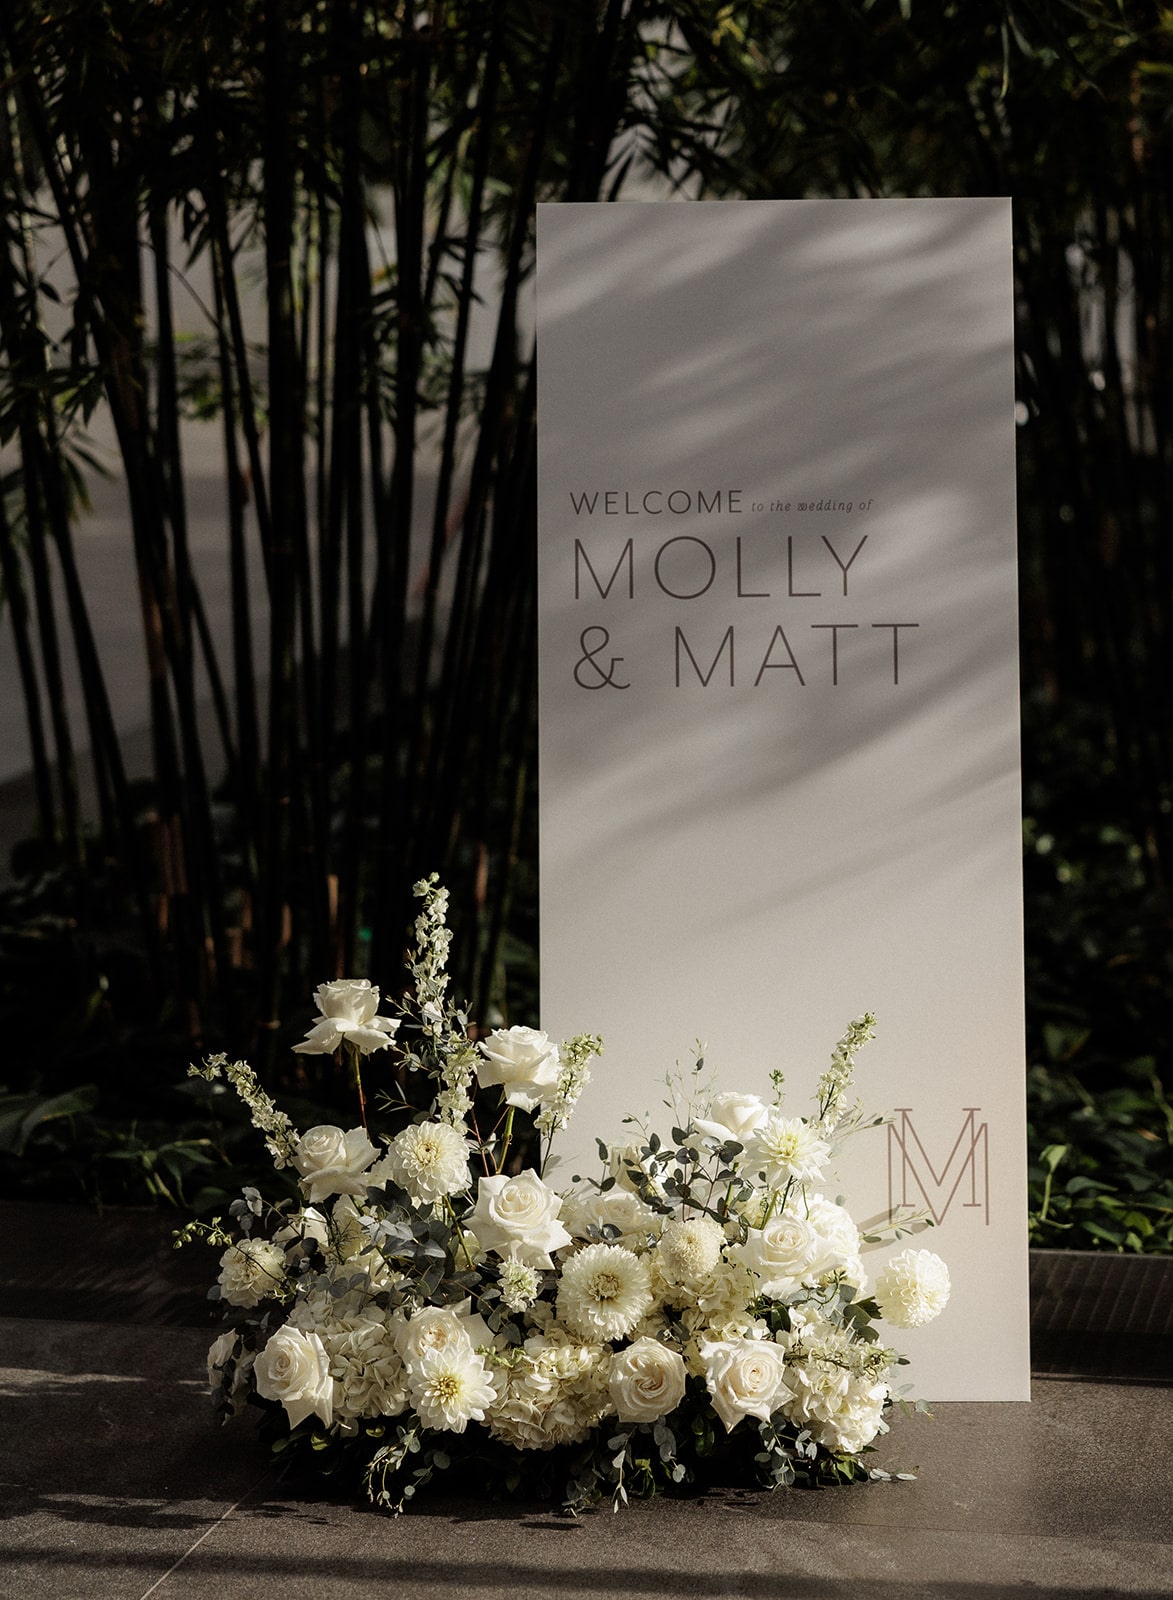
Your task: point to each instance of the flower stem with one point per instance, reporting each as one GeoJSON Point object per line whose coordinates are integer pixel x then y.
{"type": "Point", "coordinates": [356, 1067]}
{"type": "Point", "coordinates": [505, 1138]}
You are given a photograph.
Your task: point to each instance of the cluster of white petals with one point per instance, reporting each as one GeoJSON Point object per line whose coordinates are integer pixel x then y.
{"type": "Point", "coordinates": [690, 1249]}
{"type": "Point", "coordinates": [605, 1290]}
{"type": "Point", "coordinates": [347, 1014]}
{"type": "Point", "coordinates": [294, 1370]}
{"type": "Point", "coordinates": [251, 1270]}
{"type": "Point", "coordinates": [838, 1387]}
{"type": "Point", "coordinates": [524, 1062]}
{"type": "Point", "coordinates": [913, 1289]}
{"type": "Point", "coordinates": [333, 1162]}
{"type": "Point", "coordinates": [552, 1392]}
{"type": "Point", "coordinates": [428, 1159]}
{"type": "Point", "coordinates": [786, 1149]}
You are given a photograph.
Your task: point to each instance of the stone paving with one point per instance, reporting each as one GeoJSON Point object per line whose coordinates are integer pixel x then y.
{"type": "Point", "coordinates": [115, 1482]}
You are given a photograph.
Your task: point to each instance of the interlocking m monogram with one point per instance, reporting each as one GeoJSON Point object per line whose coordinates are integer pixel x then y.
{"type": "Point", "coordinates": [913, 1180]}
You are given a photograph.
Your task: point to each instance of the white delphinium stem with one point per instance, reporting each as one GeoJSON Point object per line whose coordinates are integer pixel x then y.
{"type": "Point", "coordinates": [429, 970]}
{"type": "Point", "coordinates": [835, 1082]}
{"type": "Point", "coordinates": [573, 1077]}
{"type": "Point", "coordinates": [281, 1137]}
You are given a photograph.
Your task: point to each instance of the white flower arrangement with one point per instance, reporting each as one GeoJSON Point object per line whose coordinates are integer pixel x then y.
{"type": "Point", "coordinates": [423, 1303]}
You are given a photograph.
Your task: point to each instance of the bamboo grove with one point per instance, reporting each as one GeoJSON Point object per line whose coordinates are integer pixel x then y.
{"type": "Point", "coordinates": [376, 728]}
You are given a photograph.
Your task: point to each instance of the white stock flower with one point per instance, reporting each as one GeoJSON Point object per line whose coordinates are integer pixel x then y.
{"type": "Point", "coordinates": [521, 1211]}
{"type": "Point", "coordinates": [646, 1381]}
{"type": "Point", "coordinates": [913, 1289]}
{"type": "Point", "coordinates": [784, 1253]}
{"type": "Point", "coordinates": [605, 1290]}
{"type": "Point", "coordinates": [450, 1387]}
{"type": "Point", "coordinates": [782, 1148]}
{"type": "Point", "coordinates": [347, 1010]}
{"type": "Point", "coordinates": [523, 1061]}
{"type": "Point", "coordinates": [732, 1116]}
{"type": "Point", "coordinates": [250, 1271]}
{"type": "Point", "coordinates": [745, 1377]}
{"type": "Point", "coordinates": [689, 1251]}
{"type": "Point", "coordinates": [428, 1159]}
{"type": "Point", "coordinates": [294, 1369]}
{"type": "Point", "coordinates": [333, 1162]}
{"type": "Point", "coordinates": [519, 1284]}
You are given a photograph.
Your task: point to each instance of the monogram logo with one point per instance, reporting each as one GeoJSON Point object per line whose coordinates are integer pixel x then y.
{"type": "Point", "coordinates": [915, 1180]}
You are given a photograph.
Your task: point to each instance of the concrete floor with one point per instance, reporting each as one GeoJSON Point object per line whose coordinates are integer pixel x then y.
{"type": "Point", "coordinates": [115, 1482]}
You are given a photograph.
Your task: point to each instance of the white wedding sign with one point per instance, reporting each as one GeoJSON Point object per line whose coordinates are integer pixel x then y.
{"type": "Point", "coordinates": [779, 694]}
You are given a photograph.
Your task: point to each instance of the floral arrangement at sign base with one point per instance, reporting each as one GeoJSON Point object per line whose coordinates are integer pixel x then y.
{"type": "Point", "coordinates": [429, 1304]}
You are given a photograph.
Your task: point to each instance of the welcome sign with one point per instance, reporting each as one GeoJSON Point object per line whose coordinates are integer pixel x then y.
{"type": "Point", "coordinates": [779, 694]}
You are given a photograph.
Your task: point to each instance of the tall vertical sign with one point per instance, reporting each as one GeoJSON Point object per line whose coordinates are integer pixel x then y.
{"type": "Point", "coordinates": [779, 693]}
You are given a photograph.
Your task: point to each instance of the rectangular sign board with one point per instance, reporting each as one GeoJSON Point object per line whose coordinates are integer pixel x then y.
{"type": "Point", "coordinates": [779, 695]}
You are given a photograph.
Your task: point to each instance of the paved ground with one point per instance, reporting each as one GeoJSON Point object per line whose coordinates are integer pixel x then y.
{"type": "Point", "coordinates": [115, 1482]}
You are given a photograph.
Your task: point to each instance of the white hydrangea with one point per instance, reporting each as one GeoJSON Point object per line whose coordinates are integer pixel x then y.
{"type": "Point", "coordinates": [605, 1290]}
{"type": "Point", "coordinates": [428, 1159]}
{"type": "Point", "coordinates": [251, 1270]}
{"type": "Point", "coordinates": [913, 1289]}
{"type": "Point", "coordinates": [837, 1386]}
{"type": "Point", "coordinates": [552, 1392]}
{"type": "Point", "coordinates": [369, 1377]}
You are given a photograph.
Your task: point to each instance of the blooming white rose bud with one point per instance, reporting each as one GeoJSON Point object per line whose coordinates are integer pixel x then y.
{"type": "Point", "coordinates": [732, 1116]}
{"type": "Point", "coordinates": [646, 1381]}
{"type": "Point", "coordinates": [614, 1208]}
{"type": "Point", "coordinates": [745, 1377]}
{"type": "Point", "coordinates": [347, 1010]}
{"type": "Point", "coordinates": [294, 1369]}
{"type": "Point", "coordinates": [783, 1254]}
{"type": "Point", "coordinates": [226, 1348]}
{"type": "Point", "coordinates": [523, 1061]}
{"type": "Point", "coordinates": [913, 1289]}
{"type": "Point", "coordinates": [522, 1212]}
{"type": "Point", "coordinates": [333, 1162]}
{"type": "Point", "coordinates": [433, 1328]}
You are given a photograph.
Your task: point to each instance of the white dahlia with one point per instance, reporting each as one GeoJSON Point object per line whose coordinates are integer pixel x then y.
{"type": "Point", "coordinates": [913, 1289]}
{"type": "Point", "coordinates": [450, 1388]}
{"type": "Point", "coordinates": [605, 1291]}
{"type": "Point", "coordinates": [429, 1160]}
{"type": "Point", "coordinates": [782, 1148]}
{"type": "Point", "coordinates": [689, 1251]}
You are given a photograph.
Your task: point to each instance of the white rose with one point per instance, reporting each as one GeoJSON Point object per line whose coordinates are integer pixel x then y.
{"type": "Point", "coordinates": [347, 1012]}
{"type": "Point", "coordinates": [333, 1162]}
{"type": "Point", "coordinates": [782, 1254]}
{"type": "Point", "coordinates": [434, 1328]}
{"type": "Point", "coordinates": [521, 1211]}
{"type": "Point", "coordinates": [294, 1369]}
{"type": "Point", "coordinates": [732, 1116]}
{"type": "Point", "coordinates": [615, 1208]}
{"type": "Point", "coordinates": [746, 1378]}
{"type": "Point", "coordinates": [228, 1348]}
{"type": "Point", "coordinates": [524, 1061]}
{"type": "Point", "coordinates": [646, 1381]}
